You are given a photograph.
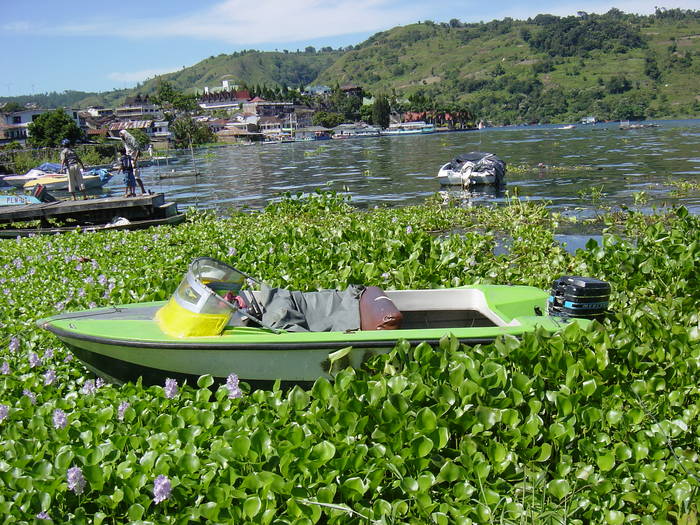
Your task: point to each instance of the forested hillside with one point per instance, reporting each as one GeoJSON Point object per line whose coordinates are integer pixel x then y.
{"type": "Point", "coordinates": [545, 69]}
{"type": "Point", "coordinates": [614, 66]}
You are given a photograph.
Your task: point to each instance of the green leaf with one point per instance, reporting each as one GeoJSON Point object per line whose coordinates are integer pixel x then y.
{"type": "Point", "coordinates": [322, 452]}
{"type": "Point", "coordinates": [135, 512]}
{"type": "Point", "coordinates": [606, 462]}
{"type": "Point", "coordinates": [559, 488]}
{"type": "Point", "coordinates": [252, 506]}
{"type": "Point", "coordinates": [421, 446]}
{"type": "Point", "coordinates": [614, 517]}
{"type": "Point", "coordinates": [426, 420]}
{"type": "Point", "coordinates": [189, 463]}
{"type": "Point", "coordinates": [205, 381]}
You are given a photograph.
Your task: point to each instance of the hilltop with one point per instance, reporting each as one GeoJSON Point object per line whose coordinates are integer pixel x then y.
{"type": "Point", "coordinates": [548, 68]}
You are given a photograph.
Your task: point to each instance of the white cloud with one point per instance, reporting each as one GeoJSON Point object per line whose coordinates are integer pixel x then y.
{"type": "Point", "coordinates": [139, 76]}
{"type": "Point", "coordinates": [243, 23]}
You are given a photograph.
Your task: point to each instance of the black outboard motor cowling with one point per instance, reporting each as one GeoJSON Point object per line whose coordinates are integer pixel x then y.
{"type": "Point", "coordinates": [583, 297]}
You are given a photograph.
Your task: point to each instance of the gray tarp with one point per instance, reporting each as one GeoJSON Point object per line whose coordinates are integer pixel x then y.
{"type": "Point", "coordinates": [322, 311]}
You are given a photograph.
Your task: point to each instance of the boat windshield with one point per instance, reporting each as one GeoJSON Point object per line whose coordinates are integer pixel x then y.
{"type": "Point", "coordinates": [206, 286]}
{"type": "Point", "coordinates": [204, 301]}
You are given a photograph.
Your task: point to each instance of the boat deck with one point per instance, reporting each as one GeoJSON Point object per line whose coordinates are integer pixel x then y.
{"type": "Point", "coordinates": [91, 211]}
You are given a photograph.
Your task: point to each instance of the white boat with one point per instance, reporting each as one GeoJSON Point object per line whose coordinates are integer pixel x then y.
{"type": "Point", "coordinates": [409, 128]}
{"type": "Point", "coordinates": [47, 168]}
{"type": "Point", "coordinates": [473, 169]}
{"type": "Point", "coordinates": [57, 181]}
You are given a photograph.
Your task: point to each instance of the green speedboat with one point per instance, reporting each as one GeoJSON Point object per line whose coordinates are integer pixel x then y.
{"type": "Point", "coordinates": [221, 321]}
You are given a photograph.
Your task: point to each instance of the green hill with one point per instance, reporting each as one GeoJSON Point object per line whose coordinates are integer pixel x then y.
{"type": "Point", "coordinates": [544, 69]}
{"type": "Point", "coordinates": [615, 66]}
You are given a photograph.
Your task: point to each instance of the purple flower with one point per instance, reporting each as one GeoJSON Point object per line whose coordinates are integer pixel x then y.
{"type": "Point", "coordinates": [68, 358]}
{"type": "Point", "coordinates": [59, 419]}
{"type": "Point", "coordinates": [231, 251]}
{"type": "Point", "coordinates": [48, 354]}
{"type": "Point", "coordinates": [31, 395]}
{"type": "Point", "coordinates": [4, 411]}
{"type": "Point", "coordinates": [99, 382]}
{"type": "Point", "coordinates": [5, 368]}
{"type": "Point", "coordinates": [234, 390]}
{"type": "Point", "coordinates": [409, 229]}
{"type": "Point", "coordinates": [34, 360]}
{"type": "Point", "coordinates": [170, 388]}
{"type": "Point", "coordinates": [89, 387]}
{"type": "Point", "coordinates": [43, 515]}
{"type": "Point", "coordinates": [161, 489]}
{"type": "Point", "coordinates": [123, 406]}
{"type": "Point", "coordinates": [49, 377]}
{"type": "Point", "coordinates": [14, 344]}
{"type": "Point", "coordinates": [76, 480]}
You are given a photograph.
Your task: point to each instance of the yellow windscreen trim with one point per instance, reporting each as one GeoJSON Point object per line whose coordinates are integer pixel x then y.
{"type": "Point", "coordinates": [176, 321]}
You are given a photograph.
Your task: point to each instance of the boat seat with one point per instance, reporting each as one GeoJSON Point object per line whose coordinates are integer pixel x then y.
{"type": "Point", "coordinates": [377, 311]}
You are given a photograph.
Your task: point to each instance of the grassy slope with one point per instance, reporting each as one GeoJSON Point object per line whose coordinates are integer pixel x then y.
{"type": "Point", "coordinates": [419, 56]}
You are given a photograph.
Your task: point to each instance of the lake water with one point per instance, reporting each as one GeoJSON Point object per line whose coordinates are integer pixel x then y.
{"type": "Point", "coordinates": [585, 168]}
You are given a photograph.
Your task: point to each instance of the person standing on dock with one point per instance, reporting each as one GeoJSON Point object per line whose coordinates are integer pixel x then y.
{"type": "Point", "coordinates": [132, 149]}
{"type": "Point", "coordinates": [72, 165]}
{"type": "Point", "coordinates": [127, 168]}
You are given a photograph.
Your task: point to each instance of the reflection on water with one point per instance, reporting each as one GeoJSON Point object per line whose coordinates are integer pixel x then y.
{"type": "Point", "coordinates": [582, 168]}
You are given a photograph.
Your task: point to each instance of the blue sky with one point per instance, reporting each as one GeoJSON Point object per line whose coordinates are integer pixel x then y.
{"type": "Point", "coordinates": [93, 45]}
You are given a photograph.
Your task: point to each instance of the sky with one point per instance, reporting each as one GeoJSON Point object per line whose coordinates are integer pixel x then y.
{"type": "Point", "coordinates": [53, 45]}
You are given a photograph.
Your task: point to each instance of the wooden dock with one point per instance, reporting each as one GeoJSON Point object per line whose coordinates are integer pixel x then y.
{"type": "Point", "coordinates": [94, 213]}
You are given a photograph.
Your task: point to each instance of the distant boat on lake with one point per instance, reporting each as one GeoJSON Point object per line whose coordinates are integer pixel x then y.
{"type": "Point", "coordinates": [409, 128]}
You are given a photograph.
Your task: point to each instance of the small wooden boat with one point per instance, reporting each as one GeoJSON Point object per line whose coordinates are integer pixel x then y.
{"type": "Point", "coordinates": [221, 321]}
{"type": "Point", "coordinates": [58, 182]}
{"type": "Point", "coordinates": [475, 168]}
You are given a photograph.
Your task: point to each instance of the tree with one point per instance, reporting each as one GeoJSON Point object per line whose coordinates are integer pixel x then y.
{"type": "Point", "coordinates": [187, 131]}
{"type": "Point", "coordinates": [326, 119]}
{"type": "Point", "coordinates": [381, 111]}
{"type": "Point", "coordinates": [50, 128]}
{"type": "Point", "coordinates": [142, 139]}
{"type": "Point", "coordinates": [168, 97]}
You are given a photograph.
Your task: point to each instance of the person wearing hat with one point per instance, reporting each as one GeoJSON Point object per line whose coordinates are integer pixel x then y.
{"type": "Point", "coordinates": [72, 165]}
{"type": "Point", "coordinates": [132, 149]}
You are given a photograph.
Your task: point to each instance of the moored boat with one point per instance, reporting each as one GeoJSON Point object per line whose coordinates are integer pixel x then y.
{"type": "Point", "coordinates": [409, 128]}
{"type": "Point", "coordinates": [473, 169]}
{"type": "Point", "coordinates": [221, 321]}
{"type": "Point", "coordinates": [58, 182]}
{"type": "Point", "coordinates": [18, 200]}
{"type": "Point", "coordinates": [47, 168]}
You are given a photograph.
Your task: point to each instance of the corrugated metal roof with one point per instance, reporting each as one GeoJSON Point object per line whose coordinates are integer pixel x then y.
{"type": "Point", "coordinates": [131, 124]}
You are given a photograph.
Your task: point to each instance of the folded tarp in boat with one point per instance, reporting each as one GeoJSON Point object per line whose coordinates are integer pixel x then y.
{"type": "Point", "coordinates": [320, 311]}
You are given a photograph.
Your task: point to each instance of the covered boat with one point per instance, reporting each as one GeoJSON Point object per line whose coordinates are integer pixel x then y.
{"type": "Point", "coordinates": [473, 169]}
{"type": "Point", "coordinates": [95, 178]}
{"type": "Point", "coordinates": [221, 321]}
{"type": "Point", "coordinates": [47, 168]}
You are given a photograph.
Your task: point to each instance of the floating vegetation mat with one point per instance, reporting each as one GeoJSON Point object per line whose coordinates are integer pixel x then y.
{"type": "Point", "coordinates": [584, 426]}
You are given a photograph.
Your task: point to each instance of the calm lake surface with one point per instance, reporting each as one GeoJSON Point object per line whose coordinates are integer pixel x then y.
{"type": "Point", "coordinates": [586, 167]}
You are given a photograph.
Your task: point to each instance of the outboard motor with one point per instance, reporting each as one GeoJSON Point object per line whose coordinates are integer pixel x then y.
{"type": "Point", "coordinates": [42, 194]}
{"type": "Point", "coordinates": [583, 297]}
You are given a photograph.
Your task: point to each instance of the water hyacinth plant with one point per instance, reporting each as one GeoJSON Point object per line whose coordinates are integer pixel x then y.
{"type": "Point", "coordinates": [584, 426]}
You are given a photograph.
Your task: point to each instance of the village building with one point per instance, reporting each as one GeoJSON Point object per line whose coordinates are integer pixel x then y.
{"type": "Point", "coordinates": [138, 106]}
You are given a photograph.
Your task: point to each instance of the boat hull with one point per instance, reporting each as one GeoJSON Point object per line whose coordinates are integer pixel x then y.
{"type": "Point", "coordinates": [60, 182]}
{"type": "Point", "coordinates": [124, 343]}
